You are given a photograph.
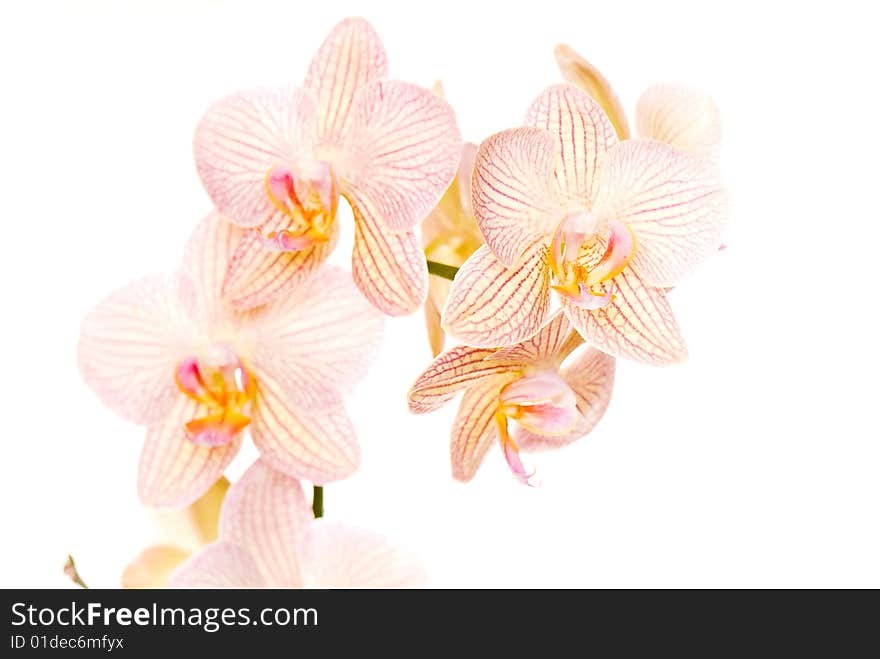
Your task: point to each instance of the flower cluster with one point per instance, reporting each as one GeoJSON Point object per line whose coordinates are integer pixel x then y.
{"type": "Point", "coordinates": [566, 234]}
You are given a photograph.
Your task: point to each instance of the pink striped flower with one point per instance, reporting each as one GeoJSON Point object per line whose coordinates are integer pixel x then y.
{"type": "Point", "coordinates": [165, 352]}
{"type": "Point", "coordinates": [606, 225]}
{"type": "Point", "coordinates": [269, 539]}
{"type": "Point", "coordinates": [275, 161]}
{"type": "Point", "coordinates": [551, 404]}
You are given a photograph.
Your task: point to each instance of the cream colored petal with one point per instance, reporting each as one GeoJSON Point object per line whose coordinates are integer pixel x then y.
{"type": "Point", "coordinates": [152, 567]}
{"type": "Point", "coordinates": [683, 117]}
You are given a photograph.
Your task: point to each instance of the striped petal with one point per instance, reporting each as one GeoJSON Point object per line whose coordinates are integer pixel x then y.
{"type": "Point", "coordinates": [578, 71]}
{"type": "Point", "coordinates": [402, 152]}
{"type": "Point", "coordinates": [317, 341]}
{"type": "Point", "coordinates": [552, 344]}
{"type": "Point", "coordinates": [318, 446]}
{"type": "Point", "coordinates": [206, 261]}
{"type": "Point", "coordinates": [583, 134]}
{"type": "Point", "coordinates": [131, 342]}
{"type": "Point", "coordinates": [257, 275]}
{"type": "Point", "coordinates": [685, 118]}
{"type": "Point", "coordinates": [220, 565]}
{"type": "Point", "coordinates": [351, 57]}
{"type": "Point", "coordinates": [337, 556]}
{"type": "Point", "coordinates": [241, 138]}
{"type": "Point", "coordinates": [451, 372]}
{"type": "Point", "coordinates": [173, 471]}
{"type": "Point", "coordinates": [475, 428]}
{"type": "Point", "coordinates": [591, 377]}
{"type": "Point", "coordinates": [672, 202]}
{"type": "Point", "coordinates": [515, 197]}
{"type": "Point", "coordinates": [389, 267]}
{"type": "Point", "coordinates": [637, 324]}
{"type": "Point", "coordinates": [491, 305]}
{"type": "Point", "coordinates": [267, 514]}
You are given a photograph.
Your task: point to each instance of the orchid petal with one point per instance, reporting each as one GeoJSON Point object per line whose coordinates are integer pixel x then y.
{"type": "Point", "coordinates": [206, 259]}
{"type": "Point", "coordinates": [621, 246]}
{"type": "Point", "coordinates": [337, 556]}
{"type": "Point", "coordinates": [131, 342]}
{"type": "Point", "coordinates": [152, 567]}
{"type": "Point", "coordinates": [241, 138]}
{"type": "Point", "coordinates": [685, 118]}
{"type": "Point", "coordinates": [402, 152]}
{"type": "Point", "coordinates": [511, 455]}
{"type": "Point", "coordinates": [318, 446]}
{"type": "Point", "coordinates": [220, 565]}
{"type": "Point", "coordinates": [451, 372]}
{"type": "Point", "coordinates": [515, 198]}
{"type": "Point", "coordinates": [196, 525]}
{"type": "Point", "coordinates": [549, 420]}
{"type": "Point", "coordinates": [552, 344]}
{"type": "Point", "coordinates": [475, 428]}
{"type": "Point", "coordinates": [436, 335]}
{"type": "Point", "coordinates": [388, 267]}
{"type": "Point", "coordinates": [671, 201]}
{"type": "Point", "coordinates": [636, 324]}
{"type": "Point", "coordinates": [491, 305]}
{"type": "Point", "coordinates": [351, 57]}
{"type": "Point", "coordinates": [583, 134]}
{"type": "Point", "coordinates": [578, 71]}
{"type": "Point", "coordinates": [267, 514]}
{"type": "Point", "coordinates": [173, 471]}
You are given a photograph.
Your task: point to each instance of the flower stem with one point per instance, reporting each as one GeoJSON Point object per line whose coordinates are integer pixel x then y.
{"type": "Point", "coordinates": [442, 270]}
{"type": "Point", "coordinates": [318, 501]}
{"type": "Point", "coordinates": [72, 574]}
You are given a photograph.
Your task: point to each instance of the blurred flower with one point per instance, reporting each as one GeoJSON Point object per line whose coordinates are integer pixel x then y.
{"type": "Point", "coordinates": [165, 352]}
{"type": "Point", "coordinates": [551, 404]}
{"type": "Point", "coordinates": [275, 161]}
{"type": "Point", "coordinates": [607, 225]}
{"type": "Point", "coordinates": [268, 538]}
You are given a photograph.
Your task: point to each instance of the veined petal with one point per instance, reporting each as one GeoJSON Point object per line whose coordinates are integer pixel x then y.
{"type": "Point", "coordinates": [337, 556]}
{"type": "Point", "coordinates": [685, 118]}
{"type": "Point", "coordinates": [583, 134]}
{"type": "Point", "coordinates": [671, 201]}
{"type": "Point", "coordinates": [131, 342]}
{"type": "Point", "coordinates": [351, 57]}
{"type": "Point", "coordinates": [219, 565]}
{"type": "Point", "coordinates": [173, 471]}
{"type": "Point", "coordinates": [591, 377]}
{"type": "Point", "coordinates": [266, 514]}
{"type": "Point", "coordinates": [388, 267]}
{"type": "Point", "coordinates": [318, 446]}
{"type": "Point", "coordinates": [206, 260]}
{"type": "Point", "coordinates": [552, 344]}
{"type": "Point", "coordinates": [257, 275]}
{"type": "Point", "coordinates": [578, 71]}
{"type": "Point", "coordinates": [196, 525]}
{"type": "Point", "coordinates": [475, 429]}
{"type": "Point", "coordinates": [241, 138]}
{"type": "Point", "coordinates": [637, 324]}
{"type": "Point", "coordinates": [152, 567]}
{"type": "Point", "coordinates": [318, 340]}
{"type": "Point", "coordinates": [491, 305]}
{"type": "Point", "coordinates": [515, 197]}
{"type": "Point", "coordinates": [451, 372]}
{"type": "Point", "coordinates": [402, 152]}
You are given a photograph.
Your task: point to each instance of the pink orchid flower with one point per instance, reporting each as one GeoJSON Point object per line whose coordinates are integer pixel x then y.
{"type": "Point", "coordinates": [606, 225]}
{"type": "Point", "coordinates": [269, 539]}
{"type": "Point", "coordinates": [165, 352]}
{"type": "Point", "coordinates": [551, 404]}
{"type": "Point", "coordinates": [275, 161]}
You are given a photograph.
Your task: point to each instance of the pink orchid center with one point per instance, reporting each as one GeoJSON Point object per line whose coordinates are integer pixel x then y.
{"type": "Point", "coordinates": [218, 380]}
{"type": "Point", "coordinates": [580, 276]}
{"type": "Point", "coordinates": [307, 192]}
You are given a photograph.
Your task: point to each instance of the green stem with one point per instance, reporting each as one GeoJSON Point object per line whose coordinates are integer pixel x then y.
{"type": "Point", "coordinates": [71, 572]}
{"type": "Point", "coordinates": [442, 270]}
{"type": "Point", "coordinates": [318, 501]}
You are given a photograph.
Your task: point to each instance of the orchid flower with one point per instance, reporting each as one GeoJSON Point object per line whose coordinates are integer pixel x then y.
{"type": "Point", "coordinates": [269, 539]}
{"type": "Point", "coordinates": [551, 404]}
{"type": "Point", "coordinates": [681, 116]}
{"type": "Point", "coordinates": [275, 161]}
{"type": "Point", "coordinates": [606, 225]}
{"type": "Point", "coordinates": [184, 532]}
{"type": "Point", "coordinates": [165, 352]}
{"type": "Point", "coordinates": [449, 235]}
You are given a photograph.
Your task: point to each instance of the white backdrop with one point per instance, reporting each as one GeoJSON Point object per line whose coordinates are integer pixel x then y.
{"type": "Point", "coordinates": [753, 464]}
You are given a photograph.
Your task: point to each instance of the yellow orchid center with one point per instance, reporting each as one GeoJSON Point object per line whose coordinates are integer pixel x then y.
{"type": "Point", "coordinates": [307, 192]}
{"type": "Point", "coordinates": [579, 266]}
{"type": "Point", "coordinates": [218, 380]}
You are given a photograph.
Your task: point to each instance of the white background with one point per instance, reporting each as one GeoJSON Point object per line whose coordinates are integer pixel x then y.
{"type": "Point", "coordinates": [753, 464]}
